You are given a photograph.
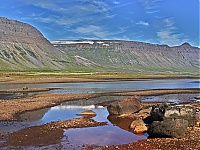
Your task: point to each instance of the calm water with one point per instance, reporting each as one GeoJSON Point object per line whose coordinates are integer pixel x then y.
{"type": "Point", "coordinates": [99, 87]}
{"type": "Point", "coordinates": [105, 135]}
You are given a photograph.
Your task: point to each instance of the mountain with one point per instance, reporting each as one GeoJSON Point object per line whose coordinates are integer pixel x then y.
{"type": "Point", "coordinates": [23, 47]}
{"type": "Point", "coordinates": [130, 56]}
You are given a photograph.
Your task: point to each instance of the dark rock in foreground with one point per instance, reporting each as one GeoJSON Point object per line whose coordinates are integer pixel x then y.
{"type": "Point", "coordinates": [166, 111]}
{"type": "Point", "coordinates": [125, 106]}
{"type": "Point", "coordinates": [168, 128]}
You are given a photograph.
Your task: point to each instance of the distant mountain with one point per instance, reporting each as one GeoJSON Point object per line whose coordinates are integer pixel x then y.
{"type": "Point", "coordinates": [23, 47]}
{"type": "Point", "coordinates": [129, 56]}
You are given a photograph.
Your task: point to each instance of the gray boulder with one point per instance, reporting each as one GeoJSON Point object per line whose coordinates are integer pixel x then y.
{"type": "Point", "coordinates": [125, 106]}
{"type": "Point", "coordinates": [168, 128]}
{"type": "Point", "coordinates": [167, 111]}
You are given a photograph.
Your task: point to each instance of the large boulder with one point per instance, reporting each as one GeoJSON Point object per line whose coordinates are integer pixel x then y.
{"type": "Point", "coordinates": [164, 111]}
{"type": "Point", "coordinates": [125, 106]}
{"type": "Point", "coordinates": [168, 128]}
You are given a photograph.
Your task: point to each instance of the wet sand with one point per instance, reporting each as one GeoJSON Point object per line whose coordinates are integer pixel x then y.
{"type": "Point", "coordinates": [47, 134]}
{"type": "Point", "coordinates": [11, 109]}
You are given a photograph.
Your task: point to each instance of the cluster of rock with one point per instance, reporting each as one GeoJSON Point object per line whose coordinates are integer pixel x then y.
{"type": "Point", "coordinates": [166, 120]}
{"type": "Point", "coordinates": [129, 106]}
{"type": "Point", "coordinates": [171, 120]}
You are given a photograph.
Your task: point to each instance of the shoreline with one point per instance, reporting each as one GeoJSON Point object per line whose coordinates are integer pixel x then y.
{"type": "Point", "coordinates": [39, 78]}
{"type": "Point", "coordinates": [36, 102]}
{"type": "Point", "coordinates": [26, 136]}
{"type": "Point", "coordinates": [10, 110]}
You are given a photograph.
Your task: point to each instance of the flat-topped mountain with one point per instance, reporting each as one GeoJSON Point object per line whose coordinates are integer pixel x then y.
{"type": "Point", "coordinates": [134, 56]}
{"type": "Point", "coordinates": [24, 48]}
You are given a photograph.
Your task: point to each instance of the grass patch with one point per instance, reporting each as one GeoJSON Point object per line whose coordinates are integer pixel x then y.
{"type": "Point", "coordinates": [88, 75]}
{"type": "Point", "coordinates": [6, 54]}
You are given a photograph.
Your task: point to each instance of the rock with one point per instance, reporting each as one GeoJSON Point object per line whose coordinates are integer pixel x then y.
{"type": "Point", "coordinates": [87, 113]}
{"type": "Point", "coordinates": [198, 119]}
{"type": "Point", "coordinates": [125, 106]}
{"type": "Point", "coordinates": [197, 97]}
{"type": "Point", "coordinates": [164, 111]}
{"type": "Point", "coordinates": [157, 112]}
{"type": "Point", "coordinates": [138, 126]}
{"type": "Point", "coordinates": [168, 128]}
{"type": "Point", "coordinates": [142, 114]}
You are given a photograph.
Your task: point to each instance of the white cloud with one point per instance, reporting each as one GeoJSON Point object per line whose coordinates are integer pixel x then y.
{"type": "Point", "coordinates": [143, 23]}
{"type": "Point", "coordinates": [166, 36]}
{"type": "Point", "coordinates": [71, 12]}
{"type": "Point", "coordinates": [97, 32]}
{"type": "Point", "coordinates": [168, 33]}
{"type": "Point", "coordinates": [93, 30]}
{"type": "Point", "coordinates": [151, 6]}
{"type": "Point", "coordinates": [115, 2]}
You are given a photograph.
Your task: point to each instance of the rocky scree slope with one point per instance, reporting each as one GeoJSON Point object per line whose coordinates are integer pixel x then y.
{"type": "Point", "coordinates": [23, 47]}
{"type": "Point", "coordinates": [130, 56]}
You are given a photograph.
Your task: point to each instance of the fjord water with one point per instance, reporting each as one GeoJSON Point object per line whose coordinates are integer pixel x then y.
{"type": "Point", "coordinates": [101, 87]}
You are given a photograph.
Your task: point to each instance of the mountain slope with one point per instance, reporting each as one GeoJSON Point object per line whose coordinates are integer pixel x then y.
{"type": "Point", "coordinates": [136, 57]}
{"type": "Point", "coordinates": [23, 47]}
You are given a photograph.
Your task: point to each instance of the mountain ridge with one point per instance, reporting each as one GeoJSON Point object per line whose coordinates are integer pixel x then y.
{"type": "Point", "coordinates": [24, 48]}
{"type": "Point", "coordinates": [89, 41]}
{"type": "Point", "coordinates": [134, 56]}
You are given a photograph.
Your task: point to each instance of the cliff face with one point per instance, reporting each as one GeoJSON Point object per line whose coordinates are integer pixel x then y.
{"type": "Point", "coordinates": [24, 47]}
{"type": "Point", "coordinates": [135, 56]}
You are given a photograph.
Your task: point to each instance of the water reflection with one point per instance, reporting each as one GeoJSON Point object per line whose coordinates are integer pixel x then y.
{"type": "Point", "coordinates": [68, 110]}
{"type": "Point", "coordinates": [123, 123]}
{"type": "Point", "coordinates": [33, 115]}
{"type": "Point", "coordinates": [101, 136]}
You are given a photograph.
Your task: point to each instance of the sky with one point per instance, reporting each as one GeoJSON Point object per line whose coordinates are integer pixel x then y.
{"type": "Point", "coordinates": [170, 22]}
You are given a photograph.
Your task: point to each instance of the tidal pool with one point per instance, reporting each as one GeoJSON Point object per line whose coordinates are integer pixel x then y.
{"type": "Point", "coordinates": [75, 138]}
{"type": "Point", "coordinates": [102, 135]}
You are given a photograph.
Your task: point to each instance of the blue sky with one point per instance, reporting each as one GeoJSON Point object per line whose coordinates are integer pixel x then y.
{"type": "Point", "coordinates": [170, 22]}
